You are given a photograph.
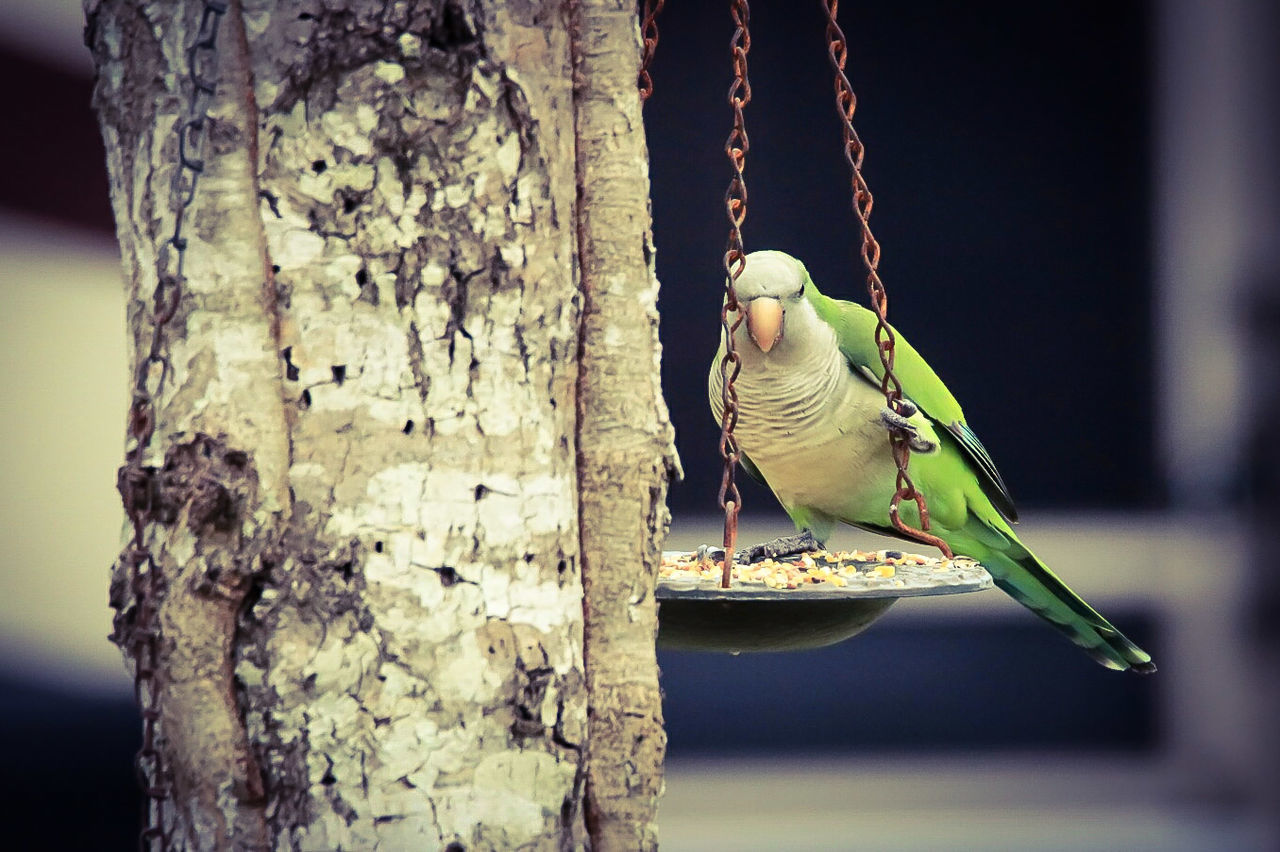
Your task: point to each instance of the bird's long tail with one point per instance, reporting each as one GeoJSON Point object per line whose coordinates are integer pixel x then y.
{"type": "Point", "coordinates": [1030, 582]}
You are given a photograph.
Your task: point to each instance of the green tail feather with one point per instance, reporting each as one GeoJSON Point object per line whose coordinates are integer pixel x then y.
{"type": "Point", "coordinates": [1029, 581]}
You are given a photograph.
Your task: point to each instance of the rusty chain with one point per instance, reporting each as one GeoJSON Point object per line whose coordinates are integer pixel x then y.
{"type": "Point", "coordinates": [649, 29]}
{"type": "Point", "coordinates": [735, 260]}
{"type": "Point", "coordinates": [137, 481]}
{"type": "Point", "coordinates": [846, 103]}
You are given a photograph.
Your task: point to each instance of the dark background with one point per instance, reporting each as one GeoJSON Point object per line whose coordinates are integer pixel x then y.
{"type": "Point", "coordinates": [1008, 149]}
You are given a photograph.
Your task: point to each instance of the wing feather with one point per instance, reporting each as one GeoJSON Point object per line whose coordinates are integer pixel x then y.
{"type": "Point", "coordinates": [855, 330]}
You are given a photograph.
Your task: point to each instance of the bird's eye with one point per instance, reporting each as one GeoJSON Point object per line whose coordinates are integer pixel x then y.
{"type": "Point", "coordinates": [799, 292]}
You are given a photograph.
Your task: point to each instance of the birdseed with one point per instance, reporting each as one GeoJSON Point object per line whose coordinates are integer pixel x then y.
{"type": "Point", "coordinates": [830, 568]}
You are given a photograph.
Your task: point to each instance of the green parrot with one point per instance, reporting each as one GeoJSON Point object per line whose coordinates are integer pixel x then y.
{"type": "Point", "coordinates": [812, 426]}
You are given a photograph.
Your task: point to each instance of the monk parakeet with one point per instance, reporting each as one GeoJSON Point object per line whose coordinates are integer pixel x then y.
{"type": "Point", "coordinates": [812, 426]}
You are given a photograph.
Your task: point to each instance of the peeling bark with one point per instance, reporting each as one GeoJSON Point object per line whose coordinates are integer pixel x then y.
{"type": "Point", "coordinates": [368, 444]}
{"type": "Point", "coordinates": [626, 451]}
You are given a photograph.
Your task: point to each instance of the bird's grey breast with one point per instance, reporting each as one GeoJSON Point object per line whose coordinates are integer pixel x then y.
{"type": "Point", "coordinates": [811, 411]}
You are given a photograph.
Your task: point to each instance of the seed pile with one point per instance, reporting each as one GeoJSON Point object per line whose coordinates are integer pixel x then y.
{"type": "Point", "coordinates": [835, 568]}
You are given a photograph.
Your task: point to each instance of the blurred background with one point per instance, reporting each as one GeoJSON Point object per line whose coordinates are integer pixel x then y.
{"type": "Point", "coordinates": [1078, 204]}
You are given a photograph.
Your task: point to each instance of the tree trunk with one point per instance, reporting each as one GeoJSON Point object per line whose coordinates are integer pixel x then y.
{"type": "Point", "coordinates": [393, 439]}
{"type": "Point", "coordinates": [625, 441]}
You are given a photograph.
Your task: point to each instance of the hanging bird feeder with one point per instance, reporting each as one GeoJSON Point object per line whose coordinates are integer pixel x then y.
{"type": "Point", "coordinates": [792, 605]}
{"type": "Point", "coordinates": [708, 602]}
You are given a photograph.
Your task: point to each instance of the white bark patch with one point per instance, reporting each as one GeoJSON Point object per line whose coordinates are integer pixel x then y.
{"type": "Point", "coordinates": [389, 72]}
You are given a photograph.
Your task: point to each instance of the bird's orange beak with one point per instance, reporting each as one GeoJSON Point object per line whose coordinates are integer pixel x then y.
{"type": "Point", "coordinates": [764, 322]}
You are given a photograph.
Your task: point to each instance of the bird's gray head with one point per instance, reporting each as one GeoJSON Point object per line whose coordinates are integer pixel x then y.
{"type": "Point", "coordinates": [771, 286]}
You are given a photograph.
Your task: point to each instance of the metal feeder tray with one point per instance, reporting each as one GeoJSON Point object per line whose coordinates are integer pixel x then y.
{"type": "Point", "coordinates": [698, 615]}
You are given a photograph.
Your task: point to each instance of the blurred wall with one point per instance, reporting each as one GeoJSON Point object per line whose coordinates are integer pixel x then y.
{"type": "Point", "coordinates": [64, 392]}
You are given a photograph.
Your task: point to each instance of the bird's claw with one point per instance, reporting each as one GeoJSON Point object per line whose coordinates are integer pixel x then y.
{"type": "Point", "coordinates": [787, 545]}
{"type": "Point", "coordinates": [707, 553]}
{"type": "Point", "coordinates": [779, 548]}
{"type": "Point", "coordinates": [900, 423]}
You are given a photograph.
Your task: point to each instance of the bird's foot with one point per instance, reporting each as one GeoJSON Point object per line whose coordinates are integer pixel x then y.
{"type": "Point", "coordinates": [787, 545]}
{"type": "Point", "coordinates": [708, 553]}
{"type": "Point", "coordinates": [901, 424]}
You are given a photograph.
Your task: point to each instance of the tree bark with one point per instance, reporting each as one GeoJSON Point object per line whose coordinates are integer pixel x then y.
{"type": "Point", "coordinates": [373, 506]}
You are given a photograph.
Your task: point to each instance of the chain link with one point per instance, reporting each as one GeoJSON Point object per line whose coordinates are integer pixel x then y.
{"type": "Point", "coordinates": [846, 103]}
{"type": "Point", "coordinates": [137, 481]}
{"type": "Point", "coordinates": [649, 28]}
{"type": "Point", "coordinates": [735, 260]}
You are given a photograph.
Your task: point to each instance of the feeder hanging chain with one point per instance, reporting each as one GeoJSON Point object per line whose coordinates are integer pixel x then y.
{"type": "Point", "coordinates": [649, 29]}
{"type": "Point", "coordinates": [846, 103]}
{"type": "Point", "coordinates": [137, 481]}
{"type": "Point", "coordinates": [735, 260]}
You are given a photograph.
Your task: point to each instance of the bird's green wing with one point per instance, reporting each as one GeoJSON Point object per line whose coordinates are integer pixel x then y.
{"type": "Point", "coordinates": [750, 467]}
{"type": "Point", "coordinates": [855, 331]}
